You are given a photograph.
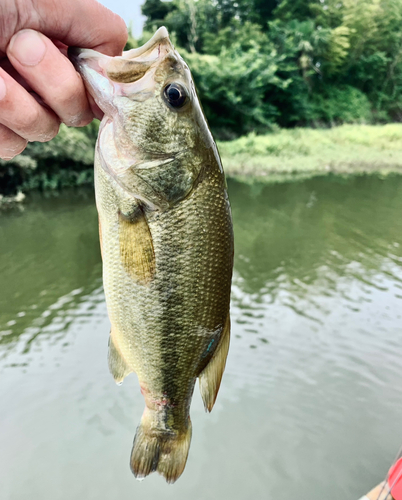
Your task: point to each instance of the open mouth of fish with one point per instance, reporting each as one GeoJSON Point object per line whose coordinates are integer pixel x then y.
{"type": "Point", "coordinates": [131, 74]}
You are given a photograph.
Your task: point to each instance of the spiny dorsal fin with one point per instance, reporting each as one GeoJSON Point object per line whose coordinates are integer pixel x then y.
{"type": "Point", "coordinates": [210, 378]}
{"type": "Point", "coordinates": [136, 246]}
{"type": "Point", "coordinates": [117, 366]}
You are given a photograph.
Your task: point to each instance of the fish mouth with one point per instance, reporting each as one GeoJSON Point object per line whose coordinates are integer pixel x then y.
{"type": "Point", "coordinates": [80, 56]}
{"type": "Point", "coordinates": [130, 74]}
{"type": "Point", "coordinates": [159, 36]}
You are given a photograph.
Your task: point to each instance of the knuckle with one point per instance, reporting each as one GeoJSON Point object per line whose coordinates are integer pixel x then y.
{"type": "Point", "coordinates": [11, 155]}
{"type": "Point", "coordinates": [86, 121]}
{"type": "Point", "coordinates": [79, 120]}
{"type": "Point", "coordinates": [11, 144]}
{"type": "Point", "coordinates": [31, 120]}
{"type": "Point", "coordinates": [71, 91]}
{"type": "Point", "coordinates": [72, 104]}
{"type": "Point", "coordinates": [38, 125]}
{"type": "Point", "coordinates": [50, 132]}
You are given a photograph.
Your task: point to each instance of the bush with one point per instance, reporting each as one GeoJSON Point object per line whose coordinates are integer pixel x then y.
{"type": "Point", "coordinates": [335, 105]}
{"type": "Point", "coordinates": [67, 160]}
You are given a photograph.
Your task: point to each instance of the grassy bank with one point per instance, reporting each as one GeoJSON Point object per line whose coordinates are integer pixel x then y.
{"type": "Point", "coordinates": [305, 152]}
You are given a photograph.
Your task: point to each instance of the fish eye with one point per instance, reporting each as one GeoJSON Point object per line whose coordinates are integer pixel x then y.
{"type": "Point", "coordinates": [175, 95]}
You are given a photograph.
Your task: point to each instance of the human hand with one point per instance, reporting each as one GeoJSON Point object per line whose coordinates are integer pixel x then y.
{"type": "Point", "coordinates": [39, 87]}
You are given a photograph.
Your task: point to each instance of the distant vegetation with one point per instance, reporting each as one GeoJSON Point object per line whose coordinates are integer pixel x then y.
{"type": "Point", "coordinates": [261, 65]}
{"type": "Point", "coordinates": [65, 161]}
{"type": "Point", "coordinates": [288, 62]}
{"type": "Point", "coordinates": [304, 152]}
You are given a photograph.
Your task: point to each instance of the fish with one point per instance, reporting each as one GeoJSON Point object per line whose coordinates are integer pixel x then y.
{"type": "Point", "coordinates": [166, 239]}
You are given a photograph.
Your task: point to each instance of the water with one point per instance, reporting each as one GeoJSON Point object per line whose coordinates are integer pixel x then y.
{"type": "Point", "coordinates": [311, 401]}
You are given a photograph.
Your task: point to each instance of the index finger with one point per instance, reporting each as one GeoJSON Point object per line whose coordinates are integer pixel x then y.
{"type": "Point", "coordinates": [80, 23]}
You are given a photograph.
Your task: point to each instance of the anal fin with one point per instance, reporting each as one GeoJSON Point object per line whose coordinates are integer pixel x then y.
{"type": "Point", "coordinates": [117, 366]}
{"type": "Point", "coordinates": [210, 378]}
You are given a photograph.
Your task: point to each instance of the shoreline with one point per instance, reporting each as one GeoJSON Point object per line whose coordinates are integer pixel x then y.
{"type": "Point", "coordinates": [297, 154]}
{"type": "Point", "coordinates": [283, 155]}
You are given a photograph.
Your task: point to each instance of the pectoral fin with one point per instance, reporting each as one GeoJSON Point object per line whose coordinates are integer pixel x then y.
{"type": "Point", "coordinates": [136, 246]}
{"type": "Point", "coordinates": [117, 366]}
{"type": "Point", "coordinates": [210, 378]}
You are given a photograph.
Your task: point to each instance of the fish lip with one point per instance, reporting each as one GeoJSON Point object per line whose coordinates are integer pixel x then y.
{"type": "Point", "coordinates": [77, 55]}
{"type": "Point", "coordinates": [159, 35]}
{"type": "Point", "coordinates": [82, 59]}
{"type": "Point", "coordinates": [90, 65]}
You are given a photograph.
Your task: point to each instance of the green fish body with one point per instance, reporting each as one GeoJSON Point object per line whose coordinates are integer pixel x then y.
{"type": "Point", "coordinates": [166, 240]}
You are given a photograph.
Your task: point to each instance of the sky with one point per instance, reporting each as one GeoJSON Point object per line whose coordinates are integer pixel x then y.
{"type": "Point", "coordinates": [129, 10]}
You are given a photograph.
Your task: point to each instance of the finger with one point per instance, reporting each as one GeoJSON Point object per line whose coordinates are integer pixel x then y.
{"type": "Point", "coordinates": [51, 75]}
{"type": "Point", "coordinates": [21, 113]}
{"type": "Point", "coordinates": [11, 144]}
{"type": "Point", "coordinates": [77, 23]}
{"type": "Point", "coordinates": [97, 112]}
{"type": "Point", "coordinates": [61, 46]}
{"type": "Point", "coordinates": [7, 66]}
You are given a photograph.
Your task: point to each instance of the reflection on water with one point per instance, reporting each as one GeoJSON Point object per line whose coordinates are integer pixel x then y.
{"type": "Point", "coordinates": [311, 400]}
{"type": "Point", "coordinates": [49, 260]}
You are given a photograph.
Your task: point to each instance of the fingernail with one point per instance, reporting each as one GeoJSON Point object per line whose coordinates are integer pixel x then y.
{"type": "Point", "coordinates": [3, 89]}
{"type": "Point", "coordinates": [28, 47]}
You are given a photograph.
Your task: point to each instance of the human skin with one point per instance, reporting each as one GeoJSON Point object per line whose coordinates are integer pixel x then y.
{"type": "Point", "coordinates": [39, 87]}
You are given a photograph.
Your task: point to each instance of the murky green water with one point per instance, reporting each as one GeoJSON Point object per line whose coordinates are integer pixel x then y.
{"type": "Point", "coordinates": [311, 402]}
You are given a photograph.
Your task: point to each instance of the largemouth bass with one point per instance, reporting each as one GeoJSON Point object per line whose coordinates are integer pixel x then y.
{"type": "Point", "coordinates": [166, 240]}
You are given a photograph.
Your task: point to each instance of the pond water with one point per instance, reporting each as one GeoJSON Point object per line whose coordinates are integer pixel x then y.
{"type": "Point", "coordinates": [311, 401]}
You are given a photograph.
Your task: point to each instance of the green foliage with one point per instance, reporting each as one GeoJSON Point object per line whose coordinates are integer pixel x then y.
{"type": "Point", "coordinates": [339, 104]}
{"type": "Point", "coordinates": [303, 152]}
{"type": "Point", "coordinates": [155, 11]}
{"type": "Point", "coordinates": [233, 88]}
{"type": "Point", "coordinates": [67, 160]}
{"type": "Point", "coordinates": [325, 61]}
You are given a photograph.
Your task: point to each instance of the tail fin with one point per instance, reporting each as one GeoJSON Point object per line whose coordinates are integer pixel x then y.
{"type": "Point", "coordinates": [159, 451]}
